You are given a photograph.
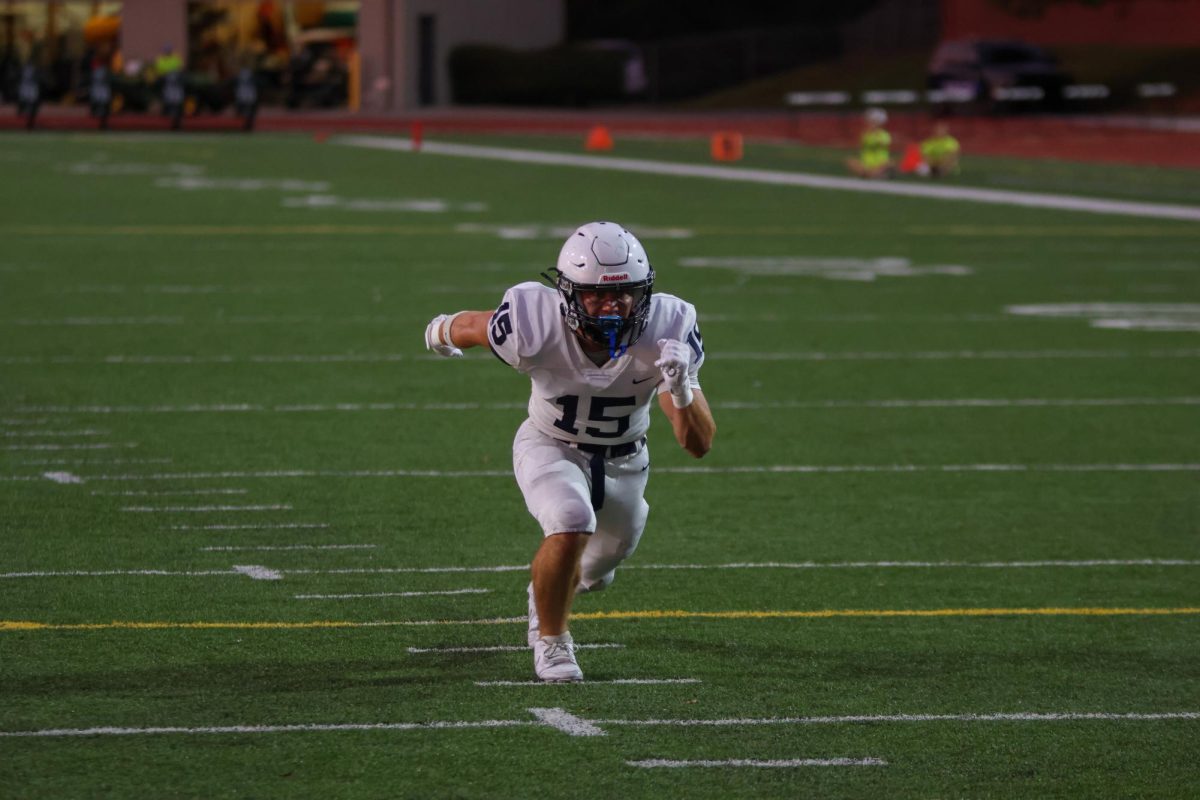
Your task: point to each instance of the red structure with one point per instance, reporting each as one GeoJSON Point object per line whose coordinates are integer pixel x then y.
{"type": "Point", "coordinates": [1125, 23]}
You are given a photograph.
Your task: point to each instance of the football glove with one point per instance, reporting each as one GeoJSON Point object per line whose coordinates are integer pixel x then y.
{"type": "Point", "coordinates": [434, 339]}
{"type": "Point", "coordinates": [674, 358]}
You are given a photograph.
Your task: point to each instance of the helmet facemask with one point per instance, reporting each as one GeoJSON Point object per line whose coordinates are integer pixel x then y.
{"type": "Point", "coordinates": [614, 332]}
{"type": "Point", "coordinates": [604, 258]}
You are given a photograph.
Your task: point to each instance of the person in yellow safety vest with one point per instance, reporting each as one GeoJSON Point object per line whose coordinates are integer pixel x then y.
{"type": "Point", "coordinates": [939, 153]}
{"type": "Point", "coordinates": [875, 159]}
{"type": "Point", "coordinates": [168, 61]}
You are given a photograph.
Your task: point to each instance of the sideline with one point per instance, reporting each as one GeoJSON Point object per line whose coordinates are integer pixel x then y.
{"type": "Point", "coordinates": [1057, 202]}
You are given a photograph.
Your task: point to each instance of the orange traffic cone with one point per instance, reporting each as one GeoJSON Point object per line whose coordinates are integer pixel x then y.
{"type": "Point", "coordinates": [417, 130]}
{"type": "Point", "coordinates": [598, 138]}
{"type": "Point", "coordinates": [912, 158]}
{"type": "Point", "coordinates": [727, 146]}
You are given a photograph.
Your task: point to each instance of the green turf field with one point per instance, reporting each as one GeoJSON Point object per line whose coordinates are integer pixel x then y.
{"type": "Point", "coordinates": [256, 539]}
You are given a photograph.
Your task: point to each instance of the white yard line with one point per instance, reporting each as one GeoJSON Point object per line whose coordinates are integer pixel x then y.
{"type": "Point", "coordinates": [172, 493]}
{"type": "Point", "coordinates": [252, 527]}
{"type": "Point", "coordinates": [806, 355]}
{"type": "Point", "coordinates": [146, 360]}
{"type": "Point", "coordinates": [560, 719]}
{"type": "Point", "coordinates": [952, 355]}
{"type": "Point", "coordinates": [38, 434]}
{"type": "Point", "coordinates": [247, 729]}
{"type": "Point", "coordinates": [832, 469]}
{"type": "Point", "coordinates": [506, 648]}
{"type": "Point", "coordinates": [965, 402]}
{"type": "Point", "coordinates": [94, 462]}
{"type": "Point", "coordinates": [95, 321]}
{"type": "Point", "coordinates": [617, 682]}
{"type": "Point", "coordinates": [204, 509]}
{"type": "Point", "coordinates": [388, 594]}
{"type": "Point", "coordinates": [652, 763]}
{"type": "Point", "coordinates": [291, 547]}
{"type": "Point", "coordinates": [100, 446]}
{"type": "Point", "coordinates": [868, 719]}
{"type": "Point", "coordinates": [120, 572]}
{"type": "Point", "coordinates": [797, 179]}
{"type": "Point", "coordinates": [733, 405]}
{"type": "Point", "coordinates": [1134, 562]}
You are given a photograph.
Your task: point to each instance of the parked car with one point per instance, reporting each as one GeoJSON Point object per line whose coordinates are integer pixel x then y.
{"type": "Point", "coordinates": [989, 70]}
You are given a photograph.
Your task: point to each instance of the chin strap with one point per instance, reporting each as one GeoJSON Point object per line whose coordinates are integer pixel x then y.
{"type": "Point", "coordinates": [611, 325]}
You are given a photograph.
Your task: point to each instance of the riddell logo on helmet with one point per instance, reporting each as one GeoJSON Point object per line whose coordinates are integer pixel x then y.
{"type": "Point", "coordinates": [624, 276]}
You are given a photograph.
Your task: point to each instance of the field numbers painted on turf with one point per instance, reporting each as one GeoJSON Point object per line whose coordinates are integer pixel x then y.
{"type": "Point", "coordinates": [535, 230]}
{"type": "Point", "coordinates": [1119, 316]}
{"type": "Point", "coordinates": [378, 204]}
{"type": "Point", "coordinates": [837, 269]}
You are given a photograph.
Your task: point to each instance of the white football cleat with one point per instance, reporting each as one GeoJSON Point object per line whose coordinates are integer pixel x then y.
{"type": "Point", "coordinates": [532, 635]}
{"type": "Point", "coordinates": [554, 659]}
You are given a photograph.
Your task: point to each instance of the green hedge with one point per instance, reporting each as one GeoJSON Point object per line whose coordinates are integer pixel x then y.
{"type": "Point", "coordinates": [486, 74]}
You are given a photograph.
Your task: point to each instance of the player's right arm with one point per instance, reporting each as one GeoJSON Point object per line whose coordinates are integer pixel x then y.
{"type": "Point", "coordinates": [447, 334]}
{"type": "Point", "coordinates": [514, 331]}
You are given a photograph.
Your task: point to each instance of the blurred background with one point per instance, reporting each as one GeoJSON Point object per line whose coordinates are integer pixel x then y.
{"type": "Point", "coordinates": [401, 56]}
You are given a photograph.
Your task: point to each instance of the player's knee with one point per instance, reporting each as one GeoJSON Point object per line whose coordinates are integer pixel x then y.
{"type": "Point", "coordinates": [571, 515]}
{"type": "Point", "coordinates": [587, 585]}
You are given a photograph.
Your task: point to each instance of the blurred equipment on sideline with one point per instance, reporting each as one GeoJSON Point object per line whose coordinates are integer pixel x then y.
{"type": "Point", "coordinates": [29, 95]}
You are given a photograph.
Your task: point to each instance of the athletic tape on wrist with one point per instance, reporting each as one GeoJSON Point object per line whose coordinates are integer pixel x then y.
{"type": "Point", "coordinates": [684, 398]}
{"type": "Point", "coordinates": [445, 326]}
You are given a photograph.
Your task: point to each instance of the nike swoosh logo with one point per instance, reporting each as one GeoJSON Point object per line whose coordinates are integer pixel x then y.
{"type": "Point", "coordinates": [643, 380]}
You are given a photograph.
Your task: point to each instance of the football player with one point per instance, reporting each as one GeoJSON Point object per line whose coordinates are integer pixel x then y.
{"type": "Point", "coordinates": [598, 345]}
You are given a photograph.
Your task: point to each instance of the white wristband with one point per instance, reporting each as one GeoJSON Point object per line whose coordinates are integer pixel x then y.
{"type": "Point", "coordinates": [685, 396]}
{"type": "Point", "coordinates": [445, 326]}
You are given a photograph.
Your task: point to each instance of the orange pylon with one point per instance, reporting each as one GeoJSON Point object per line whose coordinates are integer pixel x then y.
{"type": "Point", "coordinates": [912, 158]}
{"type": "Point", "coordinates": [727, 146]}
{"type": "Point", "coordinates": [598, 138]}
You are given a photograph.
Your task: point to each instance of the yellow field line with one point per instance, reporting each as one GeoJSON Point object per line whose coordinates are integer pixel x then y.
{"type": "Point", "coordinates": [19, 625]}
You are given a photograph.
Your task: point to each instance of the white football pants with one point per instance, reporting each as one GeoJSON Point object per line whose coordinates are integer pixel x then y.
{"type": "Point", "coordinates": [556, 481]}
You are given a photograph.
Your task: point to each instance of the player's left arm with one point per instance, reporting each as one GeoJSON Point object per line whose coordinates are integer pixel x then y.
{"type": "Point", "coordinates": [682, 401]}
{"type": "Point", "coordinates": [693, 424]}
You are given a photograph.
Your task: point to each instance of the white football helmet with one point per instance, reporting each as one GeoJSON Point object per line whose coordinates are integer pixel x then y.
{"type": "Point", "coordinates": [602, 256]}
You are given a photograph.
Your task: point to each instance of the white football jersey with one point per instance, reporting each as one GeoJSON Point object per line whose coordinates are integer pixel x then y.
{"type": "Point", "coordinates": [572, 398]}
